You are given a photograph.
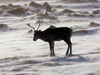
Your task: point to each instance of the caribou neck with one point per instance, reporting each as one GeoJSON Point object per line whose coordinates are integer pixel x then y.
{"type": "Point", "coordinates": [42, 36]}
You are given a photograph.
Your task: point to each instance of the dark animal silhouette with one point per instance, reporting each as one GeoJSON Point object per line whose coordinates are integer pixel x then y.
{"type": "Point", "coordinates": [52, 34]}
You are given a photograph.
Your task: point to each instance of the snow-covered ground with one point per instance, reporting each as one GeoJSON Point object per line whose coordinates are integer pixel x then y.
{"type": "Point", "coordinates": [20, 55]}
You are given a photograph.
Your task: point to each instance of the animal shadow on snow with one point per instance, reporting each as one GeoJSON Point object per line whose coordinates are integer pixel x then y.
{"type": "Point", "coordinates": [75, 58]}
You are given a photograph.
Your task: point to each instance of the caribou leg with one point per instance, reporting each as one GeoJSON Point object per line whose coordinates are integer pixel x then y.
{"type": "Point", "coordinates": [67, 50]}
{"type": "Point", "coordinates": [69, 47]}
{"type": "Point", "coordinates": [51, 43]}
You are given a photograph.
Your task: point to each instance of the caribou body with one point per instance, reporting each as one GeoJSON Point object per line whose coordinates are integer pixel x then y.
{"type": "Point", "coordinates": [52, 34]}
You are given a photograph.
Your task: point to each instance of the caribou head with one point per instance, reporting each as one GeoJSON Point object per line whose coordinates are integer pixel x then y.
{"type": "Point", "coordinates": [36, 32]}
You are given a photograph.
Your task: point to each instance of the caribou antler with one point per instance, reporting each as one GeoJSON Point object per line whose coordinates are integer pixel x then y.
{"type": "Point", "coordinates": [31, 27]}
{"type": "Point", "coordinates": [38, 26]}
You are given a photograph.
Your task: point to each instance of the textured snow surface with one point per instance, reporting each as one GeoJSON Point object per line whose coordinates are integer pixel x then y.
{"type": "Point", "coordinates": [20, 55]}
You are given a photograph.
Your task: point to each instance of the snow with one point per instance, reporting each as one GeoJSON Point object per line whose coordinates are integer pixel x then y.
{"type": "Point", "coordinates": [20, 55]}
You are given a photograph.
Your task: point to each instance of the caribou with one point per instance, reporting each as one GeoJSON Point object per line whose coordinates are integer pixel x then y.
{"type": "Point", "coordinates": [52, 34]}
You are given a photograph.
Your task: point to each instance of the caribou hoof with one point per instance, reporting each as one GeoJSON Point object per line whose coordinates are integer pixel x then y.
{"type": "Point", "coordinates": [69, 55]}
{"type": "Point", "coordinates": [52, 55]}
